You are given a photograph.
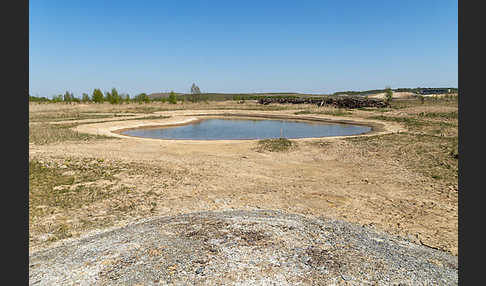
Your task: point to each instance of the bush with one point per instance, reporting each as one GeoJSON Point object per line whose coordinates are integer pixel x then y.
{"type": "Point", "coordinates": [141, 98]}
{"type": "Point", "coordinates": [388, 95]}
{"type": "Point", "coordinates": [172, 98]}
{"type": "Point", "coordinates": [57, 98]}
{"type": "Point", "coordinates": [38, 99]}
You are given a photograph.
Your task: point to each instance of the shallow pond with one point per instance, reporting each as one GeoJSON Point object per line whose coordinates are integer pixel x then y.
{"type": "Point", "coordinates": [231, 129]}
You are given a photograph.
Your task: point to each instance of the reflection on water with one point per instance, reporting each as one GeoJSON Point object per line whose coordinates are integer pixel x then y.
{"type": "Point", "coordinates": [227, 129]}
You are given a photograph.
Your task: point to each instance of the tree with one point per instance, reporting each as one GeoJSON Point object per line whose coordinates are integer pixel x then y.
{"type": "Point", "coordinates": [97, 96]}
{"type": "Point", "coordinates": [142, 97]}
{"type": "Point", "coordinates": [113, 97]}
{"type": "Point", "coordinates": [107, 96]}
{"type": "Point", "coordinates": [57, 98]}
{"type": "Point", "coordinates": [172, 98]}
{"type": "Point", "coordinates": [195, 92]}
{"type": "Point", "coordinates": [68, 97]}
{"type": "Point", "coordinates": [85, 97]}
{"type": "Point", "coordinates": [126, 98]}
{"type": "Point", "coordinates": [388, 94]}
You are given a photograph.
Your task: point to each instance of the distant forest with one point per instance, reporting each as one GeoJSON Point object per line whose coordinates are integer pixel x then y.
{"type": "Point", "coordinates": [172, 97]}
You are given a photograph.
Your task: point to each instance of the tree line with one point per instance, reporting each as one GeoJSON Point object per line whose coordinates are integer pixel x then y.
{"type": "Point", "coordinates": [114, 97]}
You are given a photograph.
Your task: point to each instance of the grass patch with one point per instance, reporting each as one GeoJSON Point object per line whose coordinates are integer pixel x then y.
{"type": "Point", "coordinates": [143, 118]}
{"type": "Point", "coordinates": [275, 145]}
{"type": "Point", "coordinates": [57, 189]}
{"type": "Point", "coordinates": [409, 121]}
{"type": "Point", "coordinates": [49, 185]}
{"type": "Point", "coordinates": [45, 133]}
{"type": "Point", "coordinates": [414, 122]}
{"type": "Point", "coordinates": [335, 112]}
{"type": "Point", "coordinates": [70, 195]}
{"type": "Point", "coordinates": [137, 118]}
{"type": "Point", "coordinates": [439, 115]}
{"type": "Point", "coordinates": [146, 108]}
{"type": "Point", "coordinates": [53, 117]}
{"type": "Point", "coordinates": [376, 109]}
{"type": "Point", "coordinates": [431, 156]}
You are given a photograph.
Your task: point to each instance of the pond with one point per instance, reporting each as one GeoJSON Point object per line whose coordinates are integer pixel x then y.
{"type": "Point", "coordinates": [238, 129]}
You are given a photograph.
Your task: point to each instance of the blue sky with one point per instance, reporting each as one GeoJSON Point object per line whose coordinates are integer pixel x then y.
{"type": "Point", "coordinates": [240, 46]}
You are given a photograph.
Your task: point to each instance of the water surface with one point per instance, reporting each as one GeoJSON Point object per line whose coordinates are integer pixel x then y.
{"type": "Point", "coordinates": [231, 129]}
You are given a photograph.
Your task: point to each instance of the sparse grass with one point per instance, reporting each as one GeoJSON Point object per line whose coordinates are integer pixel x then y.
{"type": "Point", "coordinates": [44, 133]}
{"type": "Point", "coordinates": [420, 125]}
{"type": "Point", "coordinates": [401, 104]}
{"type": "Point", "coordinates": [408, 121]}
{"type": "Point", "coordinates": [333, 112]}
{"type": "Point", "coordinates": [436, 120]}
{"type": "Point", "coordinates": [55, 190]}
{"type": "Point", "coordinates": [69, 196]}
{"type": "Point", "coordinates": [432, 156]}
{"type": "Point", "coordinates": [376, 109]}
{"type": "Point", "coordinates": [275, 145]}
{"type": "Point", "coordinates": [148, 108]}
{"type": "Point", "coordinates": [430, 146]}
{"type": "Point", "coordinates": [147, 117]}
{"type": "Point", "coordinates": [64, 116]}
{"type": "Point", "coordinates": [43, 178]}
{"type": "Point", "coordinates": [439, 115]}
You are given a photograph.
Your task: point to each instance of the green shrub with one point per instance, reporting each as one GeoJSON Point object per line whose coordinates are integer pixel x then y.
{"type": "Point", "coordinates": [97, 96]}
{"type": "Point", "coordinates": [388, 95]}
{"type": "Point", "coordinates": [141, 98]}
{"type": "Point", "coordinates": [172, 98]}
{"type": "Point", "coordinates": [57, 98]}
{"type": "Point", "coordinates": [39, 99]}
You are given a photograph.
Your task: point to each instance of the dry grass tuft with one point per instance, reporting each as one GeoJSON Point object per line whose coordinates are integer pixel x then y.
{"type": "Point", "coordinates": [275, 145]}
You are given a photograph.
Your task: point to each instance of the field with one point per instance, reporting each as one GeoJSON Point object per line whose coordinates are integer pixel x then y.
{"type": "Point", "coordinates": [82, 178]}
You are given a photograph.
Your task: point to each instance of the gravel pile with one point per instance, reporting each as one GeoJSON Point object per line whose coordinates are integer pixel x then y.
{"type": "Point", "coordinates": [242, 248]}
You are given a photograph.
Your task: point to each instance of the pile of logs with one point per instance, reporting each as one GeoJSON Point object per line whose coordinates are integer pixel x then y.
{"type": "Point", "coordinates": [336, 101]}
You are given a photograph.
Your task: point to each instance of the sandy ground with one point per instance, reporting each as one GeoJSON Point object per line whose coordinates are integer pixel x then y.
{"type": "Point", "coordinates": [334, 181]}
{"type": "Point", "coordinates": [396, 94]}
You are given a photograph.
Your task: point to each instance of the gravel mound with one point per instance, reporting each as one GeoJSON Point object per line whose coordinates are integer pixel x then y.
{"type": "Point", "coordinates": [242, 248]}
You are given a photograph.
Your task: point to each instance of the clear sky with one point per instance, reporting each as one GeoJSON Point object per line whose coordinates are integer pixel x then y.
{"type": "Point", "coordinates": [241, 46]}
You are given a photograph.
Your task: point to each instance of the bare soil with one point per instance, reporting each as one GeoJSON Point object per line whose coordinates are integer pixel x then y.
{"type": "Point", "coordinates": [391, 180]}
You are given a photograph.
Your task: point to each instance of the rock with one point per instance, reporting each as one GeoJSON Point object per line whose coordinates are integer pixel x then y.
{"type": "Point", "coordinates": [346, 277]}
{"type": "Point", "coordinates": [200, 270]}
